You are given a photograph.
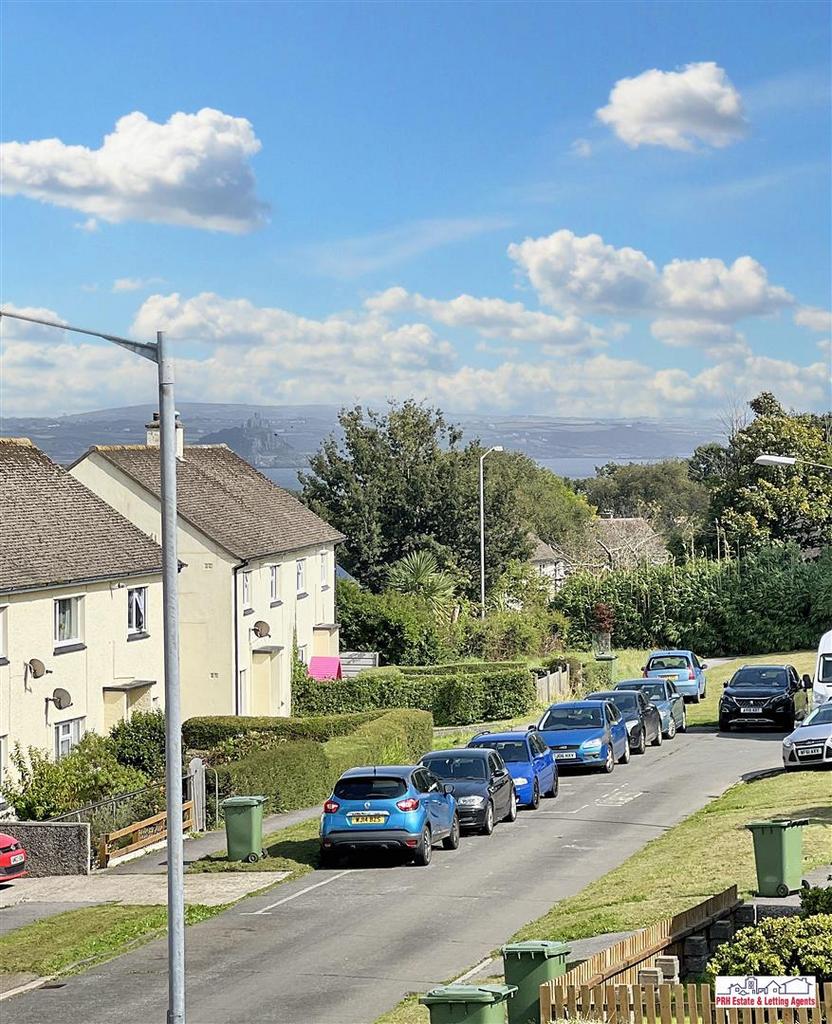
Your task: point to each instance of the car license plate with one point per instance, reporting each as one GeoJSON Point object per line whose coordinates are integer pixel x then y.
{"type": "Point", "coordinates": [752, 711]}
{"type": "Point", "coordinates": [565, 755]}
{"type": "Point", "coordinates": [809, 751]}
{"type": "Point", "coordinates": [17, 858]}
{"type": "Point", "coordinates": [671, 676]}
{"type": "Point", "coordinates": [367, 819]}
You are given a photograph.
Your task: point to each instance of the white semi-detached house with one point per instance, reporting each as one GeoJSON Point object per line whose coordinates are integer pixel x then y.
{"type": "Point", "coordinates": [80, 608]}
{"type": "Point", "coordinates": [258, 569]}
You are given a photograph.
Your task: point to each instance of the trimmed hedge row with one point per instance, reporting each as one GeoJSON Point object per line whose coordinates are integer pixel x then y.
{"type": "Point", "coordinates": [459, 668]}
{"type": "Point", "coordinates": [455, 697]}
{"type": "Point", "coordinates": [293, 773]}
{"type": "Point", "coordinates": [203, 733]}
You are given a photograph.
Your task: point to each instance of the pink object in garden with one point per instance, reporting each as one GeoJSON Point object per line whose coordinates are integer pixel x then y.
{"type": "Point", "coordinates": [321, 667]}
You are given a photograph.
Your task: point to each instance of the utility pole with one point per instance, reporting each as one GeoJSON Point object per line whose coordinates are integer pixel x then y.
{"type": "Point", "coordinates": [495, 448]}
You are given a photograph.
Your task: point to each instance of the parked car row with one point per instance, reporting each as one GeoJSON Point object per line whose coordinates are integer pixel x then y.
{"type": "Point", "coordinates": [412, 808]}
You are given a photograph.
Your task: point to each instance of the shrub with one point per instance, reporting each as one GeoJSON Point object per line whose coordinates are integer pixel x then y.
{"type": "Point", "coordinates": [88, 773]}
{"type": "Point", "coordinates": [205, 733]}
{"type": "Point", "coordinates": [402, 628]}
{"type": "Point", "coordinates": [506, 635]}
{"type": "Point", "coordinates": [779, 945]}
{"type": "Point", "coordinates": [816, 899]}
{"type": "Point", "coordinates": [457, 667]}
{"type": "Point", "coordinates": [398, 737]}
{"type": "Point", "coordinates": [139, 742]}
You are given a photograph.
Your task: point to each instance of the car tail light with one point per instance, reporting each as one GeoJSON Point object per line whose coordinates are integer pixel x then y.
{"type": "Point", "coordinates": [410, 804]}
{"type": "Point", "coordinates": [331, 806]}
{"type": "Point", "coordinates": [691, 674]}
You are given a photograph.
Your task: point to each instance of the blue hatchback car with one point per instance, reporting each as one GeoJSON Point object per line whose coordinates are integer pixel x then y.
{"type": "Point", "coordinates": [682, 668]}
{"type": "Point", "coordinates": [393, 807]}
{"type": "Point", "coordinates": [586, 733]}
{"type": "Point", "coordinates": [529, 760]}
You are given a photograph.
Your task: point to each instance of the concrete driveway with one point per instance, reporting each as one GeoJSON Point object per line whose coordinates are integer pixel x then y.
{"type": "Point", "coordinates": [342, 946]}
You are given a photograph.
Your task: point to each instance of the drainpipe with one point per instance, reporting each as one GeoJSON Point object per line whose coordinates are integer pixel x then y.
{"type": "Point", "coordinates": [234, 571]}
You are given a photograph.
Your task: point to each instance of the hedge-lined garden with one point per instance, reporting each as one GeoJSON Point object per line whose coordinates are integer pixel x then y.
{"type": "Point", "coordinates": [294, 762]}
{"type": "Point", "coordinates": [455, 694]}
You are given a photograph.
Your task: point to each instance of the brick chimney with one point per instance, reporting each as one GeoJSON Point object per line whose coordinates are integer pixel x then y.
{"type": "Point", "coordinates": [153, 437]}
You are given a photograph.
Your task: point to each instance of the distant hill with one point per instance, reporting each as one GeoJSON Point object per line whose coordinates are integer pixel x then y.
{"type": "Point", "coordinates": [281, 438]}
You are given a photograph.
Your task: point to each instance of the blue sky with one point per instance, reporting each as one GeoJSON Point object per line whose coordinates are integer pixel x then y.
{"type": "Point", "coordinates": [359, 148]}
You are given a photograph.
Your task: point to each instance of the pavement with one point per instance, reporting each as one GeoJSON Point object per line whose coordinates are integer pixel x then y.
{"type": "Point", "coordinates": [343, 945]}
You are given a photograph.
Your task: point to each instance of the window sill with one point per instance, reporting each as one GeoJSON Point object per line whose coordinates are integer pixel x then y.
{"type": "Point", "coordinates": [139, 635]}
{"type": "Point", "coordinates": [248, 611]}
{"type": "Point", "coordinates": [276, 604]}
{"type": "Point", "coordinates": [69, 648]}
{"type": "Point", "coordinates": [324, 586]}
{"type": "Point", "coordinates": [301, 594]}
{"type": "Point", "coordinates": [3, 661]}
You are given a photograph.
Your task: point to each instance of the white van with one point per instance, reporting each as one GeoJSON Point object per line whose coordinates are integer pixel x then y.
{"type": "Point", "coordinates": [822, 690]}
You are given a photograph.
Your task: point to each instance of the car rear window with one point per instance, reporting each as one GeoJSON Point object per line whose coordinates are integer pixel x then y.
{"type": "Point", "coordinates": [669, 661]}
{"type": "Point", "coordinates": [572, 718]}
{"type": "Point", "coordinates": [653, 690]}
{"type": "Point", "coordinates": [509, 750]}
{"type": "Point", "coordinates": [457, 767]}
{"type": "Point", "coordinates": [371, 787]}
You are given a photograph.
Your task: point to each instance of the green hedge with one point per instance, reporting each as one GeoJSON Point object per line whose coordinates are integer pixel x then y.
{"type": "Point", "coordinates": [458, 667]}
{"type": "Point", "coordinates": [293, 773]}
{"type": "Point", "coordinates": [204, 733]}
{"type": "Point", "coordinates": [486, 692]}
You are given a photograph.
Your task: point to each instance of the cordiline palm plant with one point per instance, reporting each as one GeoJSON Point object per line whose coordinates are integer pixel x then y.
{"type": "Point", "coordinates": [419, 574]}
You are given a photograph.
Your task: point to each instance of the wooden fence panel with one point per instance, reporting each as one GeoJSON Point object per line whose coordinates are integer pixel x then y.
{"type": "Point", "coordinates": [145, 833]}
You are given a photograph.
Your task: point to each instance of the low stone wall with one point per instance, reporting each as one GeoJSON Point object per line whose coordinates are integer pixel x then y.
{"type": "Point", "coordinates": [53, 847]}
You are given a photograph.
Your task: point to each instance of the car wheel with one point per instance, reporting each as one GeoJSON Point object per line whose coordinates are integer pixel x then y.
{"type": "Point", "coordinates": [451, 842]}
{"type": "Point", "coordinates": [683, 727]}
{"type": "Point", "coordinates": [535, 801]}
{"type": "Point", "coordinates": [609, 764]}
{"type": "Point", "coordinates": [424, 851]}
{"type": "Point", "coordinates": [695, 699]}
{"type": "Point", "coordinates": [512, 806]}
{"type": "Point", "coordinates": [625, 757]}
{"type": "Point", "coordinates": [488, 823]}
{"type": "Point", "coordinates": [553, 792]}
{"type": "Point", "coordinates": [642, 743]}
{"type": "Point", "coordinates": [724, 725]}
{"type": "Point", "coordinates": [671, 728]}
{"type": "Point", "coordinates": [657, 742]}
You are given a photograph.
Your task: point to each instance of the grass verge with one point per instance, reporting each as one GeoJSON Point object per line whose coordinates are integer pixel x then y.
{"type": "Point", "coordinates": [695, 859]}
{"type": "Point", "coordinates": [295, 849]}
{"type": "Point", "coordinates": [79, 938]}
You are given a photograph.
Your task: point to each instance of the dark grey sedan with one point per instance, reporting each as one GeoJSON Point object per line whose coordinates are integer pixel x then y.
{"type": "Point", "coordinates": [644, 722]}
{"type": "Point", "coordinates": [668, 700]}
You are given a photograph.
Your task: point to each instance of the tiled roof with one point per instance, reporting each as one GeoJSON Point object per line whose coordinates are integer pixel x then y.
{"type": "Point", "coordinates": [53, 530]}
{"type": "Point", "coordinates": [227, 499]}
{"type": "Point", "coordinates": [542, 552]}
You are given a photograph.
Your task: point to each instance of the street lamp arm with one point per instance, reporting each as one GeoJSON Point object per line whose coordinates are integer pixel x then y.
{"type": "Point", "coordinates": [140, 348]}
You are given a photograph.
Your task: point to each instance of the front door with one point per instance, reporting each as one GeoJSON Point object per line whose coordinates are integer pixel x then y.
{"type": "Point", "coordinates": [261, 683]}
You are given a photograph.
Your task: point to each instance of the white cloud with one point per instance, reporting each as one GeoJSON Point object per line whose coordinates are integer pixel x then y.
{"type": "Point", "coordinates": [676, 109]}
{"type": "Point", "coordinates": [581, 148]}
{"type": "Point", "coordinates": [90, 225]}
{"type": "Point", "coordinates": [192, 170]}
{"type": "Point", "coordinates": [134, 284]}
{"type": "Point", "coordinates": [814, 318]}
{"type": "Point", "coordinates": [716, 339]}
{"type": "Point", "coordinates": [585, 274]}
{"type": "Point", "coordinates": [493, 318]}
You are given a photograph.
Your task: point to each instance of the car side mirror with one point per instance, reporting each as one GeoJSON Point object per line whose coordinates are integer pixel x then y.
{"type": "Point", "coordinates": [447, 789]}
{"type": "Point", "coordinates": [807, 681]}
{"type": "Point", "coordinates": [724, 684]}
{"type": "Point", "coordinates": [703, 666]}
{"type": "Point", "coordinates": [531, 728]}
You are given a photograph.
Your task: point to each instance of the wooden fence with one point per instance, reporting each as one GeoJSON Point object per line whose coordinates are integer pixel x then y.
{"type": "Point", "coordinates": [666, 1004]}
{"type": "Point", "coordinates": [141, 834]}
{"type": "Point", "coordinates": [621, 963]}
{"type": "Point", "coordinates": [553, 685]}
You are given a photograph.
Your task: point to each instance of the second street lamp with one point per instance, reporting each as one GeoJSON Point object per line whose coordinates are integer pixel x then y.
{"type": "Point", "coordinates": [173, 716]}
{"type": "Point", "coordinates": [495, 448]}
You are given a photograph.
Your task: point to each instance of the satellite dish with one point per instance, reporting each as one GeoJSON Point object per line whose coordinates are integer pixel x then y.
{"type": "Point", "coordinates": [61, 699]}
{"type": "Point", "coordinates": [261, 629]}
{"type": "Point", "coordinates": [37, 668]}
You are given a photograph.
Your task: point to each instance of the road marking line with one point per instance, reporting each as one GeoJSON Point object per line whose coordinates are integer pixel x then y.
{"type": "Point", "coordinates": [294, 896]}
{"type": "Point", "coordinates": [473, 971]}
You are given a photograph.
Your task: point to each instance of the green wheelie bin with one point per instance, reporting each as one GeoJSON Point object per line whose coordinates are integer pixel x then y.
{"type": "Point", "coordinates": [474, 1004]}
{"type": "Point", "coordinates": [778, 855]}
{"type": "Point", "coordinates": [527, 965]}
{"type": "Point", "coordinates": [244, 827]}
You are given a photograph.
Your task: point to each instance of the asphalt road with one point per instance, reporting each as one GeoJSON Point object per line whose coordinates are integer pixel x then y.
{"type": "Point", "coordinates": [343, 945]}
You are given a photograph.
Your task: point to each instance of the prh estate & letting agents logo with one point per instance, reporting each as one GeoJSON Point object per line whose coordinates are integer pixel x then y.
{"type": "Point", "coordinates": [788, 992]}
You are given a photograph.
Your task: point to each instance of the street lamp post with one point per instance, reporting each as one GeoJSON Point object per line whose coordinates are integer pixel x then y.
{"type": "Point", "coordinates": [788, 460]}
{"type": "Point", "coordinates": [495, 448]}
{"type": "Point", "coordinates": [157, 353]}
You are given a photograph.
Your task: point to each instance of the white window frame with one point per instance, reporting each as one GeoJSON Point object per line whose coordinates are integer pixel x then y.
{"type": "Point", "coordinates": [246, 576]}
{"type": "Point", "coordinates": [132, 628]}
{"type": "Point", "coordinates": [70, 732]}
{"type": "Point", "coordinates": [274, 582]}
{"type": "Point", "coordinates": [4, 632]}
{"type": "Point", "coordinates": [78, 601]}
{"type": "Point", "coordinates": [300, 576]}
{"type": "Point", "coordinates": [303, 655]}
{"type": "Point", "coordinates": [324, 568]}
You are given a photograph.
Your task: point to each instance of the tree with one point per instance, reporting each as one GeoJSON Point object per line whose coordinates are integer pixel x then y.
{"type": "Point", "coordinates": [400, 483]}
{"type": "Point", "coordinates": [419, 574]}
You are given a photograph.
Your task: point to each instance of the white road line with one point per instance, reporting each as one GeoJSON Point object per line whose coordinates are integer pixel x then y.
{"type": "Point", "coordinates": [473, 971]}
{"type": "Point", "coordinates": [294, 896]}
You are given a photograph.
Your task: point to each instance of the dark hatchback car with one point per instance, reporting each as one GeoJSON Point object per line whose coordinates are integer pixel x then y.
{"type": "Point", "coordinates": [772, 695]}
{"type": "Point", "coordinates": [642, 717]}
{"type": "Point", "coordinates": [481, 785]}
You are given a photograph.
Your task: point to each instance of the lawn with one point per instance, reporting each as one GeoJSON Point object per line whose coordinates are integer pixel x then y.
{"type": "Point", "coordinates": [701, 856]}
{"type": "Point", "coordinates": [295, 849]}
{"type": "Point", "coordinates": [80, 938]}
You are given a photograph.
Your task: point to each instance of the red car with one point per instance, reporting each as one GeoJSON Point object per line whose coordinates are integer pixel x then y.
{"type": "Point", "coordinates": [12, 858]}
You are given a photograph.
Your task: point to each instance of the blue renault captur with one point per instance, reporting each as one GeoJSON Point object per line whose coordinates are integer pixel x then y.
{"type": "Point", "coordinates": [390, 807]}
{"type": "Point", "coordinates": [529, 760]}
{"type": "Point", "coordinates": [586, 733]}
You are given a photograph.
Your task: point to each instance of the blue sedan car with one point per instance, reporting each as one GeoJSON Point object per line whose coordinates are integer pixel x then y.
{"type": "Point", "coordinates": [682, 668]}
{"type": "Point", "coordinates": [586, 733]}
{"type": "Point", "coordinates": [529, 760]}
{"type": "Point", "coordinates": [392, 807]}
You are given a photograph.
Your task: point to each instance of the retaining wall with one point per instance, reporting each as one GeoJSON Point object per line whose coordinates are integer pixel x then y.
{"type": "Point", "coordinates": [53, 847]}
